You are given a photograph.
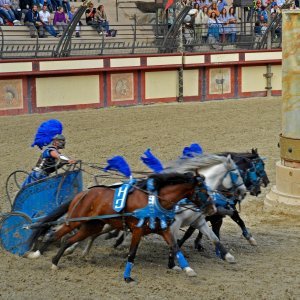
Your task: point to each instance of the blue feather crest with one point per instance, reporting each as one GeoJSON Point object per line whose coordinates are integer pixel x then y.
{"type": "Point", "coordinates": [118, 163]}
{"type": "Point", "coordinates": [152, 162]}
{"type": "Point", "coordinates": [192, 151]}
{"type": "Point", "coordinates": [46, 131]}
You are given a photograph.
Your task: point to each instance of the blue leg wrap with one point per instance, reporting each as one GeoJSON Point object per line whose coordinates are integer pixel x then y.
{"type": "Point", "coordinates": [163, 224]}
{"type": "Point", "coordinates": [246, 233]}
{"type": "Point", "coordinates": [152, 223]}
{"type": "Point", "coordinates": [128, 269]}
{"type": "Point", "coordinates": [218, 251]}
{"type": "Point", "coordinates": [181, 260]}
{"type": "Point", "coordinates": [141, 222]}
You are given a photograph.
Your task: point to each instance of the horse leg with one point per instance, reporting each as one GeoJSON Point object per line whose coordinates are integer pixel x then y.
{"type": "Point", "coordinates": [107, 229]}
{"type": "Point", "coordinates": [237, 219]}
{"type": "Point", "coordinates": [86, 230]}
{"type": "Point", "coordinates": [112, 234]}
{"type": "Point", "coordinates": [119, 240]}
{"type": "Point", "coordinates": [197, 242]}
{"type": "Point", "coordinates": [186, 236]}
{"type": "Point", "coordinates": [175, 251]}
{"type": "Point", "coordinates": [216, 223]}
{"type": "Point", "coordinates": [205, 229]}
{"type": "Point", "coordinates": [135, 240]}
{"type": "Point", "coordinates": [50, 237]}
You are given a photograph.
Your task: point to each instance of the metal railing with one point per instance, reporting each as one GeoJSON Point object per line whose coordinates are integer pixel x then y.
{"type": "Point", "coordinates": [16, 41]}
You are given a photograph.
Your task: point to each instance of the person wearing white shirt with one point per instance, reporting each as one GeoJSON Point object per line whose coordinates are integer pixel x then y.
{"type": "Point", "coordinates": [45, 19]}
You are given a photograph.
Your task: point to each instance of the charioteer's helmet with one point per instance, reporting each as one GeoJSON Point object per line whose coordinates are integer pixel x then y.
{"type": "Point", "coordinates": [59, 140]}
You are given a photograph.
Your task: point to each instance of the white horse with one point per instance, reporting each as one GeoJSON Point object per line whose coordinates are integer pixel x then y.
{"type": "Point", "coordinates": [220, 173]}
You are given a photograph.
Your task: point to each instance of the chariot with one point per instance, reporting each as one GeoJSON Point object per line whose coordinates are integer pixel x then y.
{"type": "Point", "coordinates": [32, 202]}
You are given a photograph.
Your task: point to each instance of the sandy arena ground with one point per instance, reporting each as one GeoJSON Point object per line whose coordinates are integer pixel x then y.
{"type": "Point", "coordinates": [269, 271]}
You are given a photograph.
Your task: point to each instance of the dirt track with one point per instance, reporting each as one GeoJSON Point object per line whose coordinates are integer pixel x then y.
{"type": "Point", "coordinates": [269, 271]}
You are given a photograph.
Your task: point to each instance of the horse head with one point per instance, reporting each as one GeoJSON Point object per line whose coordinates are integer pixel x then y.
{"type": "Point", "coordinates": [232, 179]}
{"type": "Point", "coordinates": [202, 197]}
{"type": "Point", "coordinates": [249, 175]}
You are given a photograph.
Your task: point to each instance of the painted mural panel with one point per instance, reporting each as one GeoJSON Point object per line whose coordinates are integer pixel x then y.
{"type": "Point", "coordinates": [122, 87]}
{"type": "Point", "coordinates": [11, 95]}
{"type": "Point", "coordinates": [220, 81]}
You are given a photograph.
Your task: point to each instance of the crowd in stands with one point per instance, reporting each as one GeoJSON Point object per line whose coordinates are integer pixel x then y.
{"type": "Point", "coordinates": [36, 14]}
{"type": "Point", "coordinates": [215, 21]}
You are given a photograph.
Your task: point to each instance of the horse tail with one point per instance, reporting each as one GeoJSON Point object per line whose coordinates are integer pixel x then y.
{"type": "Point", "coordinates": [53, 216]}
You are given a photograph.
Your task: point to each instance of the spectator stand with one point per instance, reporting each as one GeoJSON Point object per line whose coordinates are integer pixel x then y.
{"type": "Point", "coordinates": [270, 38]}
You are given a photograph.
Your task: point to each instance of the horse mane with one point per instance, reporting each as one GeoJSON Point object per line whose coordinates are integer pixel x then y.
{"type": "Point", "coordinates": [162, 180]}
{"type": "Point", "coordinates": [191, 164]}
{"type": "Point", "coordinates": [247, 155]}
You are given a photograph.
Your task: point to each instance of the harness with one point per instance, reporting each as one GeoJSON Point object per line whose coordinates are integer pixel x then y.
{"type": "Point", "coordinates": [154, 211]}
{"type": "Point", "coordinates": [234, 179]}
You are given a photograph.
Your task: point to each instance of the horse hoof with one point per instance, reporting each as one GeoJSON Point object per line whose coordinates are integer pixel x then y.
{"type": "Point", "coordinates": [176, 268]}
{"type": "Point", "coordinates": [190, 272]}
{"type": "Point", "coordinates": [199, 248]}
{"type": "Point", "coordinates": [33, 255]}
{"type": "Point", "coordinates": [252, 241]}
{"type": "Point", "coordinates": [54, 267]}
{"type": "Point", "coordinates": [129, 280]}
{"type": "Point", "coordinates": [229, 258]}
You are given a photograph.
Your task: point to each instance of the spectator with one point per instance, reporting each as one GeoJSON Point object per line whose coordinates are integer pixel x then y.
{"type": "Point", "coordinates": [7, 13]}
{"type": "Point", "coordinates": [264, 27]}
{"type": "Point", "coordinates": [33, 21]}
{"type": "Point", "coordinates": [214, 8]}
{"type": "Point", "coordinates": [213, 28]}
{"type": "Point", "coordinates": [1, 21]}
{"type": "Point", "coordinates": [262, 14]}
{"type": "Point", "coordinates": [198, 22]}
{"type": "Point", "coordinates": [60, 20]}
{"type": "Point", "coordinates": [257, 28]}
{"type": "Point", "coordinates": [223, 20]}
{"type": "Point", "coordinates": [232, 20]}
{"type": "Point", "coordinates": [280, 3]}
{"type": "Point", "coordinates": [203, 3]}
{"type": "Point", "coordinates": [48, 3]}
{"type": "Point", "coordinates": [275, 9]}
{"type": "Point", "coordinates": [101, 18]}
{"type": "Point", "coordinates": [15, 5]}
{"type": "Point", "coordinates": [66, 5]}
{"type": "Point", "coordinates": [25, 6]}
{"type": "Point", "coordinates": [45, 19]}
{"type": "Point", "coordinates": [90, 18]}
{"type": "Point", "coordinates": [221, 4]}
{"type": "Point", "coordinates": [71, 14]}
{"type": "Point", "coordinates": [170, 17]}
{"type": "Point", "coordinates": [205, 18]}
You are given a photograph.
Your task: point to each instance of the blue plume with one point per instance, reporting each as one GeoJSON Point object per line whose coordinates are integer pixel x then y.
{"type": "Point", "coordinates": [118, 163]}
{"type": "Point", "coordinates": [194, 149]}
{"type": "Point", "coordinates": [152, 162]}
{"type": "Point", "coordinates": [46, 131]}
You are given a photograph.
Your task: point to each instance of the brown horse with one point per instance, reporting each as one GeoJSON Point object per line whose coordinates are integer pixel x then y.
{"type": "Point", "coordinates": [98, 201]}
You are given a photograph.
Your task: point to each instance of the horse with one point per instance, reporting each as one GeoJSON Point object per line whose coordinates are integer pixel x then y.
{"type": "Point", "coordinates": [98, 201]}
{"type": "Point", "coordinates": [219, 172]}
{"type": "Point", "coordinates": [252, 169]}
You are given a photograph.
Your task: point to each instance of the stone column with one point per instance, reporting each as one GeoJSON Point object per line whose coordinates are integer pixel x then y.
{"type": "Point", "coordinates": [285, 196]}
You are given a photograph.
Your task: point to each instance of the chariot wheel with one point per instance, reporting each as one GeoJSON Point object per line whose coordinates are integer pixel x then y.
{"type": "Point", "coordinates": [14, 237]}
{"type": "Point", "coordinates": [14, 184]}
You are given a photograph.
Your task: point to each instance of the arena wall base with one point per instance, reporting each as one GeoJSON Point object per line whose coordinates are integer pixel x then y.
{"type": "Point", "coordinates": [284, 197]}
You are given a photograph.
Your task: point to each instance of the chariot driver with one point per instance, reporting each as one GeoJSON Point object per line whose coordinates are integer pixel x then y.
{"type": "Point", "coordinates": [50, 140]}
